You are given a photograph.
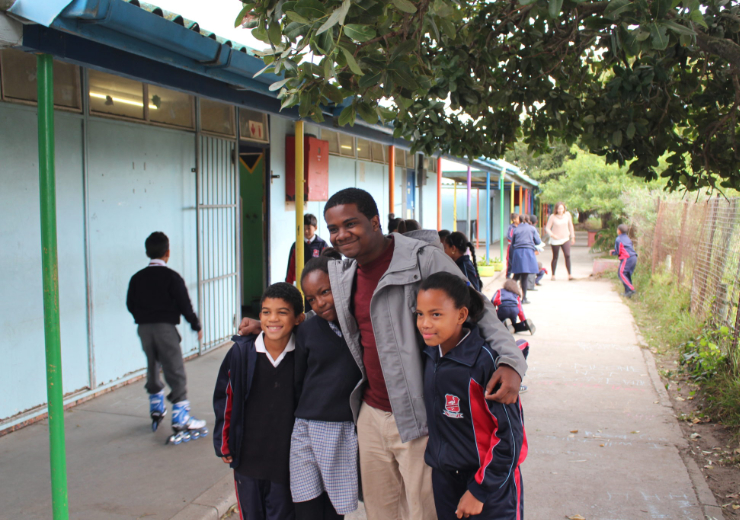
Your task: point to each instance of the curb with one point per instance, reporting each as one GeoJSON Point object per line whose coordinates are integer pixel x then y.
{"type": "Point", "coordinates": [707, 500]}
{"type": "Point", "coordinates": [212, 504]}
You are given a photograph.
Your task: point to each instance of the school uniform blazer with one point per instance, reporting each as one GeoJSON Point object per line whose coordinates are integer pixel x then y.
{"type": "Point", "coordinates": [467, 433]}
{"type": "Point", "coordinates": [623, 247]}
{"type": "Point", "coordinates": [471, 273]}
{"type": "Point", "coordinates": [230, 395]}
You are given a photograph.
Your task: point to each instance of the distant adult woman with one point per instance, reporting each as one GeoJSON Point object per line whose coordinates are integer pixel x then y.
{"type": "Point", "coordinates": [562, 235]}
{"type": "Point", "coordinates": [521, 254]}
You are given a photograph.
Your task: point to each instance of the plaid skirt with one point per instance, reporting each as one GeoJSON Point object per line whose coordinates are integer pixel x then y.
{"type": "Point", "coordinates": [323, 458]}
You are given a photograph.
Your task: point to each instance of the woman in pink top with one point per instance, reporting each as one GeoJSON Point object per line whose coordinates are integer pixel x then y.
{"type": "Point", "coordinates": [562, 236]}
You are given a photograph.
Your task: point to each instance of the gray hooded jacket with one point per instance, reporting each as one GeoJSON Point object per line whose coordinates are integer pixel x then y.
{"type": "Point", "coordinates": [393, 315]}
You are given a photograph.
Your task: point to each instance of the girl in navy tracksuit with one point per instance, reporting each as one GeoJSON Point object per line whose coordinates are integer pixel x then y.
{"type": "Point", "coordinates": [510, 233]}
{"type": "Point", "coordinates": [455, 245]}
{"type": "Point", "coordinates": [475, 445]}
{"type": "Point", "coordinates": [627, 258]}
{"type": "Point", "coordinates": [508, 303]}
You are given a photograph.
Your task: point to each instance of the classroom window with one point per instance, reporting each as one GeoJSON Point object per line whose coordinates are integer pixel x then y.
{"type": "Point", "coordinates": [253, 125]}
{"type": "Point", "coordinates": [216, 117]}
{"type": "Point", "coordinates": [333, 139]}
{"type": "Point", "coordinates": [400, 157]}
{"type": "Point", "coordinates": [18, 74]}
{"type": "Point", "coordinates": [170, 107]}
{"type": "Point", "coordinates": [378, 153]}
{"type": "Point", "coordinates": [346, 145]}
{"type": "Point", "coordinates": [363, 149]}
{"type": "Point", "coordinates": [116, 96]}
{"type": "Point", "coordinates": [410, 159]}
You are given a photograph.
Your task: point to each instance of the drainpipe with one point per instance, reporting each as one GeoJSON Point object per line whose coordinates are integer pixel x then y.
{"type": "Point", "coordinates": [501, 180]}
{"type": "Point", "coordinates": [50, 275]}
{"type": "Point", "coordinates": [391, 181]}
{"type": "Point", "coordinates": [299, 243]}
{"type": "Point", "coordinates": [439, 193]}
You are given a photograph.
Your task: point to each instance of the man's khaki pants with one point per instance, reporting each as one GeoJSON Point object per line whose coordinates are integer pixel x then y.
{"type": "Point", "coordinates": [396, 482]}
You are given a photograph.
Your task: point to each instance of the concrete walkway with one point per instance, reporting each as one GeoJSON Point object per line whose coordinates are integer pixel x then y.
{"type": "Point", "coordinates": [603, 441]}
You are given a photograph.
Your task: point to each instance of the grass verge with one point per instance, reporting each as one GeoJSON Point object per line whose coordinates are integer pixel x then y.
{"type": "Point", "coordinates": [662, 312]}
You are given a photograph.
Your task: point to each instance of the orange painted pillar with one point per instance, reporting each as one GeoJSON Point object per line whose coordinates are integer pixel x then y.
{"type": "Point", "coordinates": [521, 200]}
{"type": "Point", "coordinates": [439, 193]}
{"type": "Point", "coordinates": [391, 179]}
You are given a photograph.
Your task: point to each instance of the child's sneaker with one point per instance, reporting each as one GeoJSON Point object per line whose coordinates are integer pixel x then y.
{"type": "Point", "coordinates": [530, 326]}
{"type": "Point", "coordinates": [522, 389]}
{"type": "Point", "coordinates": [509, 326]}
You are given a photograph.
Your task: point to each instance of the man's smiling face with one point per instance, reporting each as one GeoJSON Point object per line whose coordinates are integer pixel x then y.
{"type": "Point", "coordinates": [351, 232]}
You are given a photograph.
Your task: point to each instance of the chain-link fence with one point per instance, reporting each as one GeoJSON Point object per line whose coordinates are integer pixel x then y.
{"type": "Point", "coordinates": [700, 244]}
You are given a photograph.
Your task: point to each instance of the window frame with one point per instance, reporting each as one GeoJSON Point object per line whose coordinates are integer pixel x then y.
{"type": "Point", "coordinates": [9, 99]}
{"type": "Point", "coordinates": [265, 124]}
{"type": "Point", "coordinates": [199, 123]}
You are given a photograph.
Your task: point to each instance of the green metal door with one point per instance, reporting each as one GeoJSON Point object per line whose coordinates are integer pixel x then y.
{"type": "Point", "coordinates": [252, 191]}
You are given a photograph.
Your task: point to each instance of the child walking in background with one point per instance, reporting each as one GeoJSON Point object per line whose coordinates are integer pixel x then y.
{"type": "Point", "coordinates": [514, 222]}
{"type": "Point", "coordinates": [254, 403]}
{"type": "Point", "coordinates": [156, 297]}
{"type": "Point", "coordinates": [312, 247]}
{"type": "Point", "coordinates": [627, 258]}
{"type": "Point", "coordinates": [508, 303]}
{"type": "Point", "coordinates": [323, 448]}
{"type": "Point", "coordinates": [456, 244]}
{"type": "Point", "coordinates": [475, 445]}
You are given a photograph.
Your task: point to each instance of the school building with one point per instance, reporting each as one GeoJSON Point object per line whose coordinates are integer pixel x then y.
{"type": "Point", "coordinates": [162, 126]}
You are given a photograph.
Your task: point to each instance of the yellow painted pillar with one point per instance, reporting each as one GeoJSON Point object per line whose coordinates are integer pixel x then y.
{"type": "Point", "coordinates": [299, 243]}
{"type": "Point", "coordinates": [391, 179]}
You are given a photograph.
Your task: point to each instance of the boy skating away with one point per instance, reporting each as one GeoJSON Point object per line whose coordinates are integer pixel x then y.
{"type": "Point", "coordinates": [156, 297]}
{"type": "Point", "coordinates": [624, 250]}
{"type": "Point", "coordinates": [312, 247]}
{"type": "Point", "coordinates": [254, 403]}
{"type": "Point", "coordinates": [476, 446]}
{"type": "Point", "coordinates": [508, 303]}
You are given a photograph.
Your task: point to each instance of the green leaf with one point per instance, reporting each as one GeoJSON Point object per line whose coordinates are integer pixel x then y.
{"type": "Point", "coordinates": [278, 84]}
{"type": "Point", "coordinates": [659, 37]}
{"type": "Point", "coordinates": [310, 9]}
{"type": "Point", "coordinates": [274, 33]}
{"type": "Point", "coordinates": [351, 62]}
{"type": "Point", "coordinates": [343, 10]}
{"type": "Point", "coordinates": [526, 2]}
{"type": "Point", "coordinates": [438, 131]}
{"type": "Point", "coordinates": [589, 119]}
{"type": "Point", "coordinates": [347, 116]}
{"type": "Point", "coordinates": [295, 17]}
{"type": "Point", "coordinates": [405, 6]}
{"type": "Point", "coordinates": [631, 130]}
{"type": "Point", "coordinates": [678, 28]}
{"type": "Point", "coordinates": [617, 138]}
{"type": "Point", "coordinates": [367, 113]}
{"type": "Point", "coordinates": [244, 12]}
{"type": "Point", "coordinates": [616, 8]}
{"type": "Point", "coordinates": [697, 17]}
{"type": "Point", "coordinates": [359, 33]}
{"type": "Point", "coordinates": [330, 22]}
{"type": "Point", "coordinates": [328, 67]}
{"type": "Point", "coordinates": [370, 80]}
{"type": "Point", "coordinates": [443, 9]}
{"type": "Point", "coordinates": [333, 93]}
{"type": "Point", "coordinates": [402, 75]}
{"type": "Point", "coordinates": [554, 7]}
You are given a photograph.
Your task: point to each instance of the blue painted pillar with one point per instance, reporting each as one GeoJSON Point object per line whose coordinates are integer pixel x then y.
{"type": "Point", "coordinates": [488, 217]}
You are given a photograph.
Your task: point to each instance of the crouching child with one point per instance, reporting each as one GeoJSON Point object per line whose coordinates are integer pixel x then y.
{"type": "Point", "coordinates": [475, 445]}
{"type": "Point", "coordinates": [254, 403]}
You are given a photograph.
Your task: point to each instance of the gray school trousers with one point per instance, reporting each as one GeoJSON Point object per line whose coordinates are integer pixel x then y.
{"type": "Point", "coordinates": [161, 344]}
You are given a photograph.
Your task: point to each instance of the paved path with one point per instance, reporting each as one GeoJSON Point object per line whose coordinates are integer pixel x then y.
{"type": "Point", "coordinates": [603, 443]}
{"type": "Point", "coordinates": [586, 373]}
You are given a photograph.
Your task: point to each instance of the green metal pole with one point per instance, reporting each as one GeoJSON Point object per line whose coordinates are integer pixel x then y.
{"type": "Point", "coordinates": [47, 191]}
{"type": "Point", "coordinates": [503, 216]}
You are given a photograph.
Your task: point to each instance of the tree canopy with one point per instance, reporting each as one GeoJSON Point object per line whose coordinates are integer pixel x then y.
{"type": "Point", "coordinates": [632, 80]}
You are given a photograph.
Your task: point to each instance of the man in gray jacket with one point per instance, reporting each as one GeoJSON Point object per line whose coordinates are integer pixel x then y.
{"type": "Point", "coordinates": [375, 297]}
